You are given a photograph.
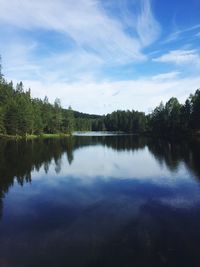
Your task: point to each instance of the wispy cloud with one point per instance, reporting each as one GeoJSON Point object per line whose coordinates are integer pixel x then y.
{"type": "Point", "coordinates": [70, 49]}
{"type": "Point", "coordinates": [180, 57]}
{"type": "Point", "coordinates": [179, 33]}
{"type": "Point", "coordinates": [87, 24]}
{"type": "Point", "coordinates": [147, 27]}
{"type": "Point", "coordinates": [166, 76]}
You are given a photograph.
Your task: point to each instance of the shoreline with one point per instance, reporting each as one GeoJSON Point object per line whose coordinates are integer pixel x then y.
{"type": "Point", "coordinates": [33, 136]}
{"type": "Point", "coordinates": [79, 133]}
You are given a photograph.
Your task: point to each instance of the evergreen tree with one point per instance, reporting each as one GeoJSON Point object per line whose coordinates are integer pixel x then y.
{"type": "Point", "coordinates": [2, 126]}
{"type": "Point", "coordinates": [57, 117]}
{"type": "Point", "coordinates": [68, 121]}
{"type": "Point", "coordinates": [195, 114]}
{"type": "Point", "coordinates": [12, 118]}
{"type": "Point", "coordinates": [21, 115]}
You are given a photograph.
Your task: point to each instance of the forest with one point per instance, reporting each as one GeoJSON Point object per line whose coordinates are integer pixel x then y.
{"type": "Point", "coordinates": [22, 115]}
{"type": "Point", "coordinates": [170, 119]}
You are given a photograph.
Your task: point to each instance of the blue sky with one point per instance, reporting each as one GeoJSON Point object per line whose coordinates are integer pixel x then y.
{"type": "Point", "coordinates": [102, 55]}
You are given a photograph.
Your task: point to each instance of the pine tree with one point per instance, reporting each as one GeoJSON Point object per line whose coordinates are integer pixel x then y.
{"type": "Point", "coordinates": [12, 118]}
{"type": "Point", "coordinates": [2, 126]}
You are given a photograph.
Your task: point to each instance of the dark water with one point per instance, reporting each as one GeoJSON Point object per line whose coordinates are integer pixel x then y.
{"type": "Point", "coordinates": [100, 201]}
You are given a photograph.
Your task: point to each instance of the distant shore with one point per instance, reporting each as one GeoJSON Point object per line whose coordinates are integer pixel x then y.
{"type": "Point", "coordinates": [33, 136]}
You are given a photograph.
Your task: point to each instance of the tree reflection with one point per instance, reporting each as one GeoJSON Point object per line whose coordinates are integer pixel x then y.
{"type": "Point", "coordinates": [173, 153]}
{"type": "Point", "coordinates": [19, 159]}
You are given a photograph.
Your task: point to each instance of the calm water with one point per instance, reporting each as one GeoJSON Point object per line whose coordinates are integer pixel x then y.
{"type": "Point", "coordinates": [99, 201]}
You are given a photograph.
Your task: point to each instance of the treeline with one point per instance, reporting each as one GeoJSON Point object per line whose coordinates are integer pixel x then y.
{"type": "Point", "coordinates": [173, 118]}
{"type": "Point", "coordinates": [84, 121]}
{"type": "Point", "coordinates": [122, 121]}
{"type": "Point", "coordinates": [21, 115]}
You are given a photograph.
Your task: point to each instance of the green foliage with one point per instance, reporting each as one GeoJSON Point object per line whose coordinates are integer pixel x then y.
{"type": "Point", "coordinates": [174, 118]}
{"type": "Point", "coordinates": [2, 126]}
{"type": "Point", "coordinates": [121, 121]}
{"type": "Point", "coordinates": [68, 122]}
{"type": "Point", "coordinates": [12, 118]}
{"type": "Point", "coordinates": [25, 116]}
{"type": "Point", "coordinates": [22, 115]}
{"type": "Point", "coordinates": [170, 119]}
{"type": "Point", "coordinates": [195, 110]}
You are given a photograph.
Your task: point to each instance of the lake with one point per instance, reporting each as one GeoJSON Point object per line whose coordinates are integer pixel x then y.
{"type": "Point", "coordinates": [103, 200]}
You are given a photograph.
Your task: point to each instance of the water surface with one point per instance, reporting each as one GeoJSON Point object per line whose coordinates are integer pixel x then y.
{"type": "Point", "coordinates": [99, 201]}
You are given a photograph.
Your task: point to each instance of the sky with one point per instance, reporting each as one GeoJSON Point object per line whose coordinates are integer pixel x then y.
{"type": "Point", "coordinates": [102, 55]}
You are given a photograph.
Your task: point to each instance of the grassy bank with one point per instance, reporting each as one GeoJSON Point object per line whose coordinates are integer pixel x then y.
{"type": "Point", "coordinates": [194, 134]}
{"type": "Point", "coordinates": [33, 136]}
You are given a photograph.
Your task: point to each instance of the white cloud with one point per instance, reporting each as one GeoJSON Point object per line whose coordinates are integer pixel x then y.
{"type": "Point", "coordinates": [87, 23]}
{"type": "Point", "coordinates": [166, 76]}
{"type": "Point", "coordinates": [102, 97]}
{"type": "Point", "coordinates": [147, 27]}
{"type": "Point", "coordinates": [99, 39]}
{"type": "Point", "coordinates": [180, 57]}
{"type": "Point", "coordinates": [19, 63]}
{"type": "Point", "coordinates": [16, 55]}
{"type": "Point", "coordinates": [179, 33]}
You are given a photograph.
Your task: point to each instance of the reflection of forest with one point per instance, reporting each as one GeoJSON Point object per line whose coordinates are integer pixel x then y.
{"type": "Point", "coordinates": [18, 159]}
{"type": "Point", "coordinates": [172, 153]}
